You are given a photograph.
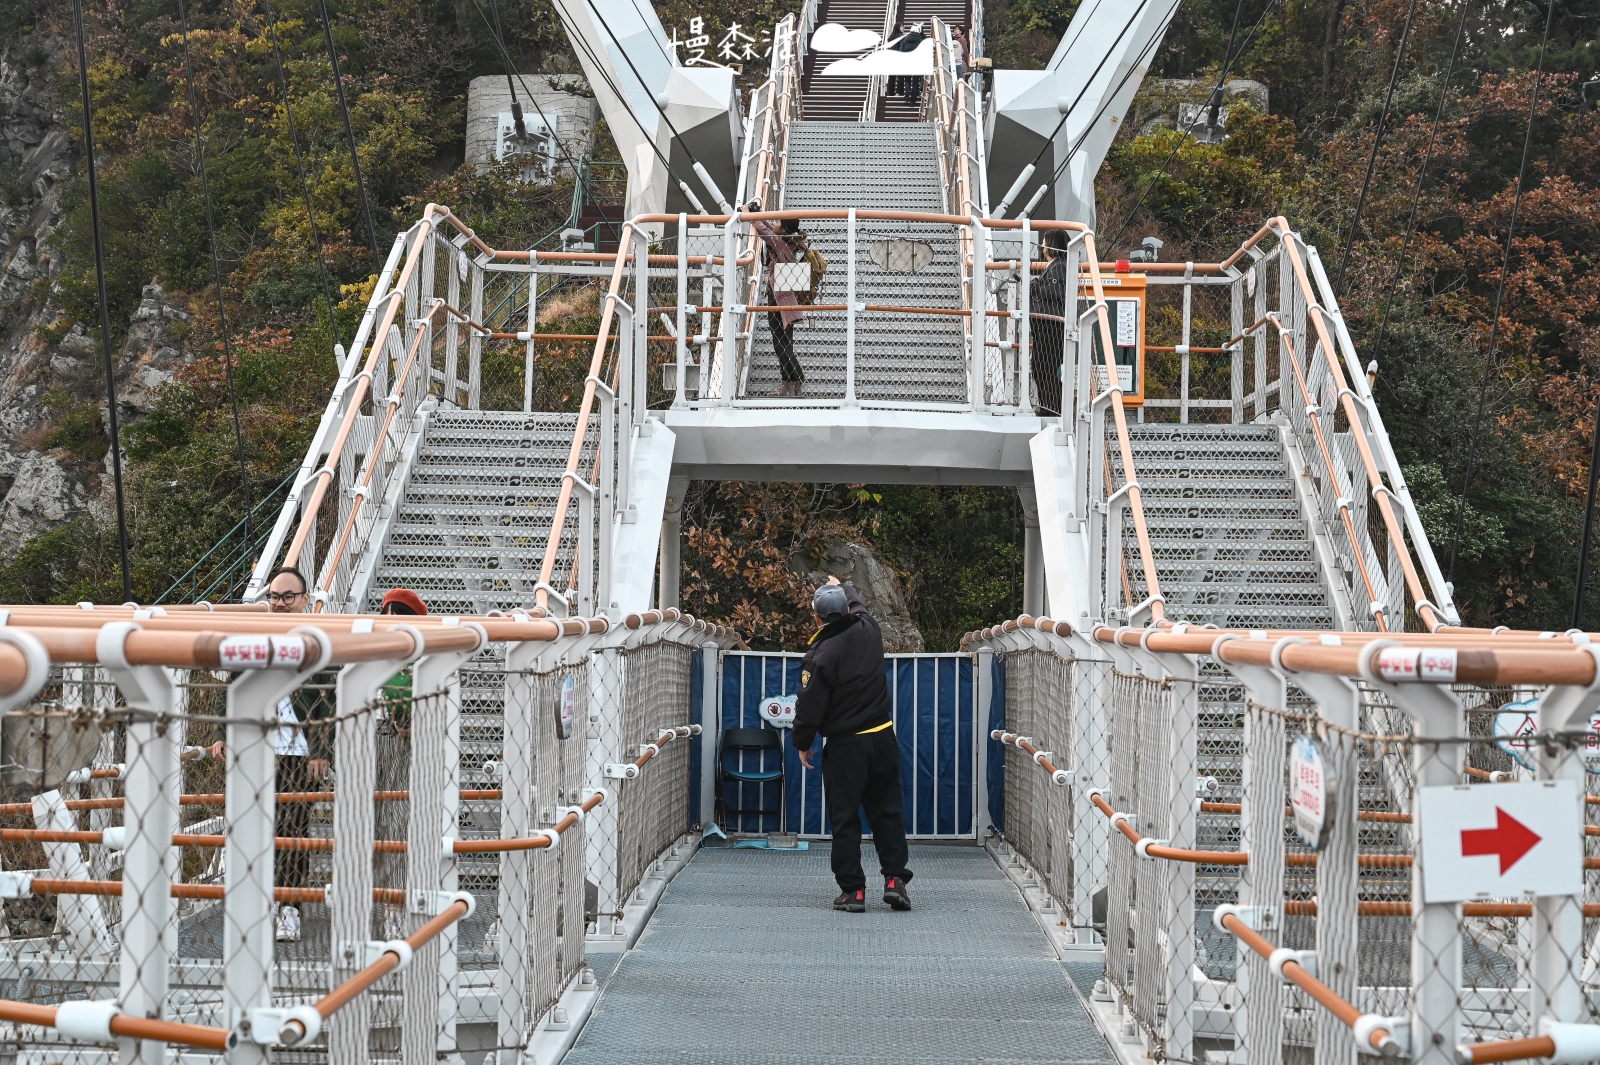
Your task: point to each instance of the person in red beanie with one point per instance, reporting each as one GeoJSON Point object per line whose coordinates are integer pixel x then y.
{"type": "Point", "coordinates": [403, 601]}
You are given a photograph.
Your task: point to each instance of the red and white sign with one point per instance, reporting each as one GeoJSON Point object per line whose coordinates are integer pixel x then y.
{"type": "Point", "coordinates": [778, 710]}
{"type": "Point", "coordinates": [1435, 664]}
{"type": "Point", "coordinates": [1498, 841]}
{"type": "Point", "coordinates": [1308, 791]}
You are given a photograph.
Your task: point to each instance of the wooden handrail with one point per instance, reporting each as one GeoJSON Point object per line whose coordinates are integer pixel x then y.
{"type": "Point", "coordinates": [585, 408]}
{"type": "Point", "coordinates": [1358, 428]}
{"type": "Point", "coordinates": [1397, 664]}
{"type": "Point", "coordinates": [1376, 605]}
{"type": "Point", "coordinates": [1130, 473]}
{"type": "Point", "coordinates": [362, 383]}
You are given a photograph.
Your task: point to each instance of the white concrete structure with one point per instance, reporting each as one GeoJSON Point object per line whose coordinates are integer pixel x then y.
{"type": "Point", "coordinates": [566, 103]}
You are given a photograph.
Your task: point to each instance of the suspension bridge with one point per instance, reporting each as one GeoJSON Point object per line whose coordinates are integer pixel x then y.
{"type": "Point", "coordinates": [1237, 786]}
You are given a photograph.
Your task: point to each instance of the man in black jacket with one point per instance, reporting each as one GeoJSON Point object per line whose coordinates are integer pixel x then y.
{"type": "Point", "coordinates": [844, 697]}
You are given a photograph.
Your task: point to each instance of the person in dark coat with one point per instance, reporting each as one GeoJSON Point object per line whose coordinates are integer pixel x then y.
{"type": "Point", "coordinates": [907, 86]}
{"type": "Point", "coordinates": [844, 697]}
{"type": "Point", "coordinates": [785, 244]}
{"type": "Point", "coordinates": [1047, 310]}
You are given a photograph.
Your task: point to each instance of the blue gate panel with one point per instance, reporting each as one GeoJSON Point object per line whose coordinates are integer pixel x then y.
{"type": "Point", "coordinates": [747, 679]}
{"type": "Point", "coordinates": [997, 750]}
{"type": "Point", "coordinates": [934, 706]}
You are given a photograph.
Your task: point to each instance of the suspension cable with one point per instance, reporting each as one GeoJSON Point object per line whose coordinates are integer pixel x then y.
{"type": "Point", "coordinates": [349, 132]}
{"type": "Point", "coordinates": [1377, 143]}
{"type": "Point", "coordinates": [583, 46]}
{"type": "Point", "coordinates": [1416, 196]}
{"type": "Point", "coordinates": [511, 70]}
{"type": "Point", "coordinates": [105, 312]}
{"type": "Point", "coordinates": [1499, 296]}
{"type": "Point", "coordinates": [1183, 139]}
{"type": "Point", "coordinates": [1027, 171]}
{"type": "Point", "coordinates": [216, 273]}
{"type": "Point", "coordinates": [694, 164]}
{"type": "Point", "coordinates": [1105, 105]}
{"type": "Point", "coordinates": [300, 168]}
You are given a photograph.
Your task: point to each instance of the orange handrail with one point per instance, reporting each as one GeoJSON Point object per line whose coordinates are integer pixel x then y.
{"type": "Point", "coordinates": [1379, 1037]}
{"type": "Point", "coordinates": [1328, 463]}
{"type": "Point", "coordinates": [1130, 474]}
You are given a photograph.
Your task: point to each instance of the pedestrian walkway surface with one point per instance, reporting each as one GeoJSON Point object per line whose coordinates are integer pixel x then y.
{"type": "Point", "coordinates": [746, 963]}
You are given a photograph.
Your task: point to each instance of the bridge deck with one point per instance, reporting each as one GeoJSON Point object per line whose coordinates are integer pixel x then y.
{"type": "Point", "coordinates": [744, 963]}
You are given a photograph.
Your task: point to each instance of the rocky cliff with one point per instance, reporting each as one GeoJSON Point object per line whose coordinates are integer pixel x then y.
{"type": "Point", "coordinates": [52, 373]}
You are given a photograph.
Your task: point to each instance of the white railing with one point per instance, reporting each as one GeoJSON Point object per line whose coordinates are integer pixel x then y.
{"type": "Point", "coordinates": [1241, 822]}
{"type": "Point", "coordinates": [470, 927]}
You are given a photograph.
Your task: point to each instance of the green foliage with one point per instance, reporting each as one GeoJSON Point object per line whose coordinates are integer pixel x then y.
{"type": "Point", "coordinates": [959, 550]}
{"type": "Point", "coordinates": [78, 428]}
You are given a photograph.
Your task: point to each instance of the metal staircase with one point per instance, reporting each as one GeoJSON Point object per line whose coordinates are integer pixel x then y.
{"type": "Point", "coordinates": [840, 99]}
{"type": "Point", "coordinates": [469, 532]}
{"type": "Point", "coordinates": [893, 166]}
{"type": "Point", "coordinates": [1230, 536]}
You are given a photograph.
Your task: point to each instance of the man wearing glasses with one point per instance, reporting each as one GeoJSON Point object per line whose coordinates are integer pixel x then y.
{"type": "Point", "coordinates": [304, 750]}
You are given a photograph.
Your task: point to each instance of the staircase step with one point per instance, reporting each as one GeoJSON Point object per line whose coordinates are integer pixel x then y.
{"type": "Point", "coordinates": [1179, 550]}
{"type": "Point", "coordinates": [1230, 574]}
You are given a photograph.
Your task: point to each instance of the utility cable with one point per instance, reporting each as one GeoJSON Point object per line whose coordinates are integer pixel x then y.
{"type": "Point", "coordinates": [1227, 68]}
{"type": "Point", "coordinates": [216, 274]}
{"type": "Point", "coordinates": [1087, 19]}
{"type": "Point", "coordinates": [1110, 98]}
{"type": "Point", "coordinates": [1377, 142]}
{"type": "Point", "coordinates": [694, 164]}
{"type": "Point", "coordinates": [516, 108]}
{"type": "Point", "coordinates": [599, 67]}
{"type": "Point", "coordinates": [300, 168]}
{"type": "Point", "coordinates": [105, 313]}
{"type": "Point", "coordinates": [1422, 174]}
{"type": "Point", "coordinates": [1027, 171]}
{"type": "Point", "coordinates": [1499, 295]}
{"type": "Point", "coordinates": [349, 132]}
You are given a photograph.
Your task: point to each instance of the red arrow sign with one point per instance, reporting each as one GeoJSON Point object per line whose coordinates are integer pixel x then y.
{"type": "Point", "coordinates": [1510, 839]}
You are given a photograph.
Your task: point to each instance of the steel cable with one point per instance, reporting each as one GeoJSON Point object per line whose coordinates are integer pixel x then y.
{"type": "Point", "coordinates": [216, 272]}
{"type": "Point", "coordinates": [349, 132]}
{"type": "Point", "coordinates": [100, 285]}
{"type": "Point", "coordinates": [300, 168]}
{"type": "Point", "coordinates": [1499, 297]}
{"type": "Point", "coordinates": [1182, 140]}
{"type": "Point", "coordinates": [1377, 143]}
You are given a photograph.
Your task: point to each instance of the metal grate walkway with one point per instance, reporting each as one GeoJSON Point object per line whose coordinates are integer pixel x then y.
{"type": "Point", "coordinates": [744, 963]}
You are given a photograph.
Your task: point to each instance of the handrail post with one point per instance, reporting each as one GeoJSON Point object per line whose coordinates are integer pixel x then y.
{"type": "Point", "coordinates": [682, 346]}
{"type": "Point", "coordinates": [730, 293]}
{"type": "Point", "coordinates": [638, 361]}
{"type": "Point", "coordinates": [606, 484]}
{"type": "Point", "coordinates": [1023, 334]}
{"type": "Point", "coordinates": [850, 313]}
{"type": "Point", "coordinates": [1188, 303]}
{"type": "Point", "coordinates": [978, 320]}
{"type": "Point", "coordinates": [533, 326]}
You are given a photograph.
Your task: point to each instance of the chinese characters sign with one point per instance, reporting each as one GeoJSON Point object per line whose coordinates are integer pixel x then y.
{"type": "Point", "coordinates": [732, 48]}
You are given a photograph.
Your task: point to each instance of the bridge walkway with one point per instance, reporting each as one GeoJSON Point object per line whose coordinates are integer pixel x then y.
{"type": "Point", "coordinates": [745, 963]}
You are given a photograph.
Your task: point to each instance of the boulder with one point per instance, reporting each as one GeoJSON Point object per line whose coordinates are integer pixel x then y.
{"type": "Point", "coordinates": [879, 587]}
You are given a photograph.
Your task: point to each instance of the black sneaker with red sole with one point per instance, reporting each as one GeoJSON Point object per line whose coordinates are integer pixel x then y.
{"type": "Point", "coordinates": [852, 901]}
{"type": "Point", "coordinates": [894, 893]}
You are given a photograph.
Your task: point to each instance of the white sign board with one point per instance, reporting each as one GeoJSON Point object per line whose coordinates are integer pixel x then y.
{"type": "Point", "coordinates": [1498, 841]}
{"type": "Point", "coordinates": [1308, 791]}
{"type": "Point", "coordinates": [778, 710]}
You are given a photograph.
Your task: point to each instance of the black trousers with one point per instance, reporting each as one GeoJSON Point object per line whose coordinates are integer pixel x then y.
{"type": "Point", "coordinates": [864, 771]}
{"type": "Point", "coordinates": [1047, 339]}
{"type": "Point", "coordinates": [783, 346]}
{"type": "Point", "coordinates": [293, 868]}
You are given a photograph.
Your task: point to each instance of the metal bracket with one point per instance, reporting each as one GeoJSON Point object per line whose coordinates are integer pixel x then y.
{"type": "Point", "coordinates": [433, 903]}
{"type": "Point", "coordinates": [358, 954]}
{"type": "Point", "coordinates": [1255, 918]}
{"type": "Point", "coordinates": [621, 770]}
{"type": "Point", "coordinates": [288, 1026]}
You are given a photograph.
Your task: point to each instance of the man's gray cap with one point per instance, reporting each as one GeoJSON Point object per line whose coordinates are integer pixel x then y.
{"type": "Point", "coordinates": [830, 602]}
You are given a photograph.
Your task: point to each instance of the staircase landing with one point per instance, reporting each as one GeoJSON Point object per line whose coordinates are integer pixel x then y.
{"type": "Point", "coordinates": [762, 971]}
